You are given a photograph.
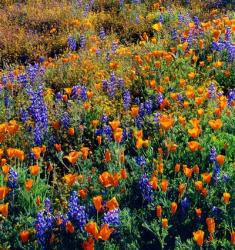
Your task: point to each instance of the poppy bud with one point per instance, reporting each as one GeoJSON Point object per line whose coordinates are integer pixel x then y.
{"type": "Point", "coordinates": [164, 223]}
{"type": "Point", "coordinates": [158, 211]}
{"type": "Point", "coordinates": [174, 207]}
{"type": "Point", "coordinates": [24, 236]}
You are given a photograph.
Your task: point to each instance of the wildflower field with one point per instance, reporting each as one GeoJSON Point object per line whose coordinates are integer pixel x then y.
{"type": "Point", "coordinates": [117, 124]}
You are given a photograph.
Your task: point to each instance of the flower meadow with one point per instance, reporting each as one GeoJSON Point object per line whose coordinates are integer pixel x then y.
{"type": "Point", "coordinates": [117, 124]}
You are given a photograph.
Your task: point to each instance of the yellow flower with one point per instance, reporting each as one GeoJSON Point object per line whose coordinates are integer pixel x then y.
{"type": "Point", "coordinates": [157, 26]}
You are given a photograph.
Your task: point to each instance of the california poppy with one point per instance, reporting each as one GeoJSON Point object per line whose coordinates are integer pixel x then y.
{"type": "Point", "coordinates": [97, 201]}
{"type": "Point", "coordinates": [4, 209]}
{"type": "Point", "coordinates": [24, 236]}
{"type": "Point", "coordinates": [210, 222]}
{"type": "Point", "coordinates": [28, 184]}
{"type": "Point", "coordinates": [226, 197]}
{"type": "Point", "coordinates": [3, 192]}
{"type": "Point", "coordinates": [158, 211]}
{"type": "Point", "coordinates": [199, 237]}
{"type": "Point", "coordinates": [34, 170]}
{"type": "Point", "coordinates": [69, 227]}
{"type": "Point", "coordinates": [164, 223]}
{"type": "Point", "coordinates": [89, 244]}
{"type": "Point", "coordinates": [174, 207]}
{"type": "Point", "coordinates": [112, 204]}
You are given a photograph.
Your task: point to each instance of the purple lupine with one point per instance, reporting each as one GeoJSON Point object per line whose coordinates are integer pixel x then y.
{"type": "Point", "coordinates": [44, 225]}
{"type": "Point", "coordinates": [140, 160]}
{"type": "Point", "coordinates": [112, 218]}
{"type": "Point", "coordinates": [4, 79]}
{"type": "Point", "coordinates": [231, 53]}
{"type": "Point", "coordinates": [141, 110]}
{"type": "Point", "coordinates": [108, 56]}
{"type": "Point", "coordinates": [185, 204]}
{"type": "Point", "coordinates": [161, 19]}
{"type": "Point", "coordinates": [72, 43]}
{"type": "Point", "coordinates": [146, 189]}
{"type": "Point", "coordinates": [114, 47]}
{"type": "Point", "coordinates": [160, 99]}
{"type": "Point", "coordinates": [65, 120]}
{"type": "Point", "coordinates": [104, 118]}
{"type": "Point", "coordinates": [107, 131]}
{"type": "Point", "coordinates": [12, 179]}
{"type": "Point", "coordinates": [228, 34]}
{"type": "Point", "coordinates": [139, 122]}
{"type": "Point", "coordinates": [126, 99]}
{"type": "Point", "coordinates": [102, 34]}
{"type": "Point", "coordinates": [196, 21]}
{"type": "Point", "coordinates": [231, 97]}
{"type": "Point", "coordinates": [213, 154]}
{"type": "Point", "coordinates": [120, 83]}
{"type": "Point", "coordinates": [86, 9]}
{"type": "Point", "coordinates": [180, 18]}
{"type": "Point", "coordinates": [32, 72]}
{"type": "Point", "coordinates": [174, 34]}
{"type": "Point", "coordinates": [212, 90]}
{"type": "Point", "coordinates": [156, 118]}
{"type": "Point", "coordinates": [148, 105]}
{"type": "Point", "coordinates": [6, 101]}
{"type": "Point", "coordinates": [11, 76]}
{"type": "Point", "coordinates": [76, 212]}
{"type": "Point", "coordinates": [83, 93]}
{"type": "Point", "coordinates": [137, 100]}
{"type": "Point", "coordinates": [82, 42]}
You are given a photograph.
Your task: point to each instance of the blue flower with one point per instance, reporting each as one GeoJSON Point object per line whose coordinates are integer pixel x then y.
{"type": "Point", "coordinates": [146, 189]}
{"type": "Point", "coordinates": [112, 217]}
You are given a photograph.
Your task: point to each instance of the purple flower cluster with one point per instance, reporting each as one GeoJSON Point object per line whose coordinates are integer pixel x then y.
{"type": "Point", "coordinates": [112, 218]}
{"type": "Point", "coordinates": [213, 154]}
{"type": "Point", "coordinates": [72, 43]}
{"type": "Point", "coordinates": [76, 212]}
{"type": "Point", "coordinates": [126, 99]}
{"type": "Point", "coordinates": [140, 160]}
{"type": "Point", "coordinates": [38, 111]}
{"type": "Point", "coordinates": [12, 179]}
{"type": "Point", "coordinates": [43, 225]}
{"type": "Point", "coordinates": [146, 189]}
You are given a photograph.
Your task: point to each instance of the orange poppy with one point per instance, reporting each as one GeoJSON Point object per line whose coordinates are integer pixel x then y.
{"type": "Point", "coordinates": [158, 211]}
{"type": "Point", "coordinates": [164, 185]}
{"type": "Point", "coordinates": [153, 182]}
{"type": "Point", "coordinates": [71, 131]}
{"type": "Point", "coordinates": [73, 156]}
{"type": "Point", "coordinates": [114, 124]}
{"type": "Point", "coordinates": [57, 147]}
{"type": "Point", "coordinates": [69, 227]}
{"type": "Point", "coordinates": [164, 223]}
{"type": "Point", "coordinates": [97, 201]}
{"type": "Point", "coordinates": [198, 212]}
{"type": "Point", "coordinates": [24, 236]}
{"type": "Point", "coordinates": [105, 232]}
{"type": "Point", "coordinates": [106, 179]}
{"type": "Point", "coordinates": [166, 122]}
{"type": "Point", "coordinates": [207, 177]}
{"type": "Point", "coordinates": [28, 184]}
{"type": "Point", "coordinates": [210, 222]}
{"type": "Point", "coordinates": [134, 111]}
{"type": "Point", "coordinates": [89, 244]}
{"type": "Point", "coordinates": [3, 192]}
{"type": "Point", "coordinates": [216, 124]}
{"type": "Point", "coordinates": [194, 146]}
{"type": "Point", "coordinates": [99, 139]}
{"type": "Point", "coordinates": [232, 234]}
{"type": "Point", "coordinates": [198, 185]}
{"type": "Point", "coordinates": [85, 152]}
{"type": "Point", "coordinates": [187, 171]}
{"type": "Point", "coordinates": [181, 189]}
{"type": "Point", "coordinates": [199, 237]}
{"type": "Point", "coordinates": [4, 209]}
{"type": "Point", "coordinates": [174, 207]}
{"type": "Point", "coordinates": [107, 155]}
{"type": "Point", "coordinates": [34, 170]}
{"type": "Point", "coordinates": [177, 167]}
{"type": "Point", "coordinates": [112, 204]}
{"type": "Point", "coordinates": [220, 159]}
{"type": "Point", "coordinates": [37, 152]}
{"type": "Point", "coordinates": [226, 197]}
{"type": "Point", "coordinates": [70, 179]}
